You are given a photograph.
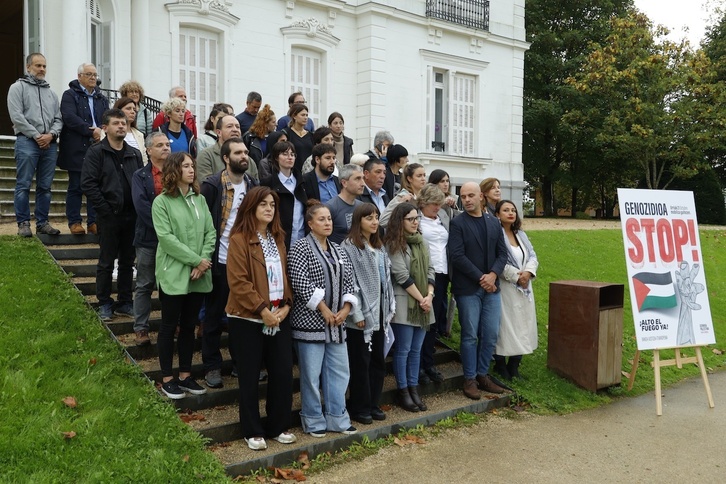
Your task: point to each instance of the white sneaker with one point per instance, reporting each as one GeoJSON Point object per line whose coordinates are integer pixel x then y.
{"type": "Point", "coordinates": [286, 438]}
{"type": "Point", "coordinates": [256, 443]}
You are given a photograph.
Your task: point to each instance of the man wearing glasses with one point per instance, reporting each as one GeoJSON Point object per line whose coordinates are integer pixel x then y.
{"type": "Point", "coordinates": [82, 108]}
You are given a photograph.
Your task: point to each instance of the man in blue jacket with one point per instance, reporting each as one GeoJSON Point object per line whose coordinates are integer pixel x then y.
{"type": "Point", "coordinates": [82, 108]}
{"type": "Point", "coordinates": [146, 184]}
{"type": "Point", "coordinates": [478, 252]}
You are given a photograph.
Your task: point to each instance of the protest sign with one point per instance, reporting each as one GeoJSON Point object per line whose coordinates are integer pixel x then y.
{"type": "Point", "coordinates": [665, 269]}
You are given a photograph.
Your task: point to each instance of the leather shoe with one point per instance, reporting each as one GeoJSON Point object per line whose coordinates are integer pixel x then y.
{"type": "Point", "coordinates": [435, 375]}
{"type": "Point", "coordinates": [471, 390]}
{"type": "Point", "coordinates": [423, 378]}
{"type": "Point", "coordinates": [377, 414]}
{"type": "Point", "coordinates": [405, 402]}
{"type": "Point", "coordinates": [142, 338]}
{"type": "Point", "coordinates": [485, 383]}
{"type": "Point", "coordinates": [93, 229]}
{"type": "Point", "coordinates": [77, 229]}
{"type": "Point", "coordinates": [363, 419]}
{"type": "Point", "coordinates": [413, 391]}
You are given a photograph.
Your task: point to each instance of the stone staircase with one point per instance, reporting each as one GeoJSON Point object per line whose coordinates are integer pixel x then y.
{"type": "Point", "coordinates": [215, 414]}
{"type": "Point", "coordinates": [7, 186]}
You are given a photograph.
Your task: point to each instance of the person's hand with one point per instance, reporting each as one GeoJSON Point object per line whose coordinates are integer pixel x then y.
{"type": "Point", "coordinates": [342, 314]}
{"type": "Point", "coordinates": [524, 278]}
{"type": "Point", "coordinates": [361, 324]}
{"type": "Point", "coordinates": [488, 282]}
{"type": "Point", "coordinates": [44, 140]}
{"type": "Point", "coordinates": [405, 197]}
{"type": "Point", "coordinates": [270, 319]}
{"type": "Point", "coordinates": [384, 150]}
{"type": "Point", "coordinates": [450, 201]}
{"type": "Point", "coordinates": [426, 302]}
{"type": "Point", "coordinates": [328, 315]}
{"type": "Point", "coordinates": [204, 266]}
{"type": "Point", "coordinates": [282, 312]}
{"type": "Point", "coordinates": [196, 274]}
{"type": "Point", "coordinates": [95, 133]}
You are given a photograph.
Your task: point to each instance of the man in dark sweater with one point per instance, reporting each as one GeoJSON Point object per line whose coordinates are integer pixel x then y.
{"type": "Point", "coordinates": [341, 207]}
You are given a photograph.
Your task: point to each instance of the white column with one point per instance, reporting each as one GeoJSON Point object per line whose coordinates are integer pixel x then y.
{"type": "Point", "coordinates": [140, 46]}
{"type": "Point", "coordinates": [74, 38]}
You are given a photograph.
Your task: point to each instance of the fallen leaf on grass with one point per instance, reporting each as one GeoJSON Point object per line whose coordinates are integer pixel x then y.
{"type": "Point", "coordinates": [185, 458]}
{"type": "Point", "coordinates": [717, 351]}
{"type": "Point", "coordinates": [92, 361]}
{"type": "Point", "coordinates": [189, 417]}
{"type": "Point", "coordinates": [70, 402]}
{"type": "Point", "coordinates": [408, 440]}
{"type": "Point", "coordinates": [258, 478]}
{"type": "Point", "coordinates": [518, 408]}
{"type": "Point", "coordinates": [220, 445]}
{"type": "Point", "coordinates": [290, 474]}
{"type": "Point", "coordinates": [304, 460]}
{"type": "Point", "coordinates": [69, 435]}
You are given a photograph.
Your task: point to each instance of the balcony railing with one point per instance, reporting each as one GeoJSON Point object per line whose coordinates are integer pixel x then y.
{"type": "Point", "coordinates": [152, 104]}
{"type": "Point", "coordinates": [470, 13]}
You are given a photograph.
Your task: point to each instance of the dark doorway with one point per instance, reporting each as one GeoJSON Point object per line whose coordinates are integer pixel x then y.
{"type": "Point", "coordinates": [11, 45]}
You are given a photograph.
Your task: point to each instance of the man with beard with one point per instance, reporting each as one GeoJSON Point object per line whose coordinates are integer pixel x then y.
{"type": "Point", "coordinates": [106, 178]}
{"type": "Point", "coordinates": [209, 160]}
{"type": "Point", "coordinates": [320, 183]}
{"type": "Point", "coordinates": [146, 185]}
{"type": "Point", "coordinates": [224, 192]}
{"type": "Point", "coordinates": [341, 207]}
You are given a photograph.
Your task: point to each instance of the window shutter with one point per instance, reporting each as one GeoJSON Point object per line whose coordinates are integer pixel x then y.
{"type": "Point", "coordinates": [305, 76]}
{"type": "Point", "coordinates": [462, 91]}
{"type": "Point", "coordinates": [198, 61]}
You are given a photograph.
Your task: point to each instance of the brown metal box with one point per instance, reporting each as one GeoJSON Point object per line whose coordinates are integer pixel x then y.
{"type": "Point", "coordinates": [586, 332]}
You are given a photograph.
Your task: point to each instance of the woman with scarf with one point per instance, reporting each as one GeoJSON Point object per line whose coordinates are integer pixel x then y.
{"type": "Point", "coordinates": [413, 286]}
{"type": "Point", "coordinates": [368, 324]}
{"type": "Point", "coordinates": [518, 327]}
{"type": "Point", "coordinates": [324, 295]}
{"type": "Point", "coordinates": [258, 305]}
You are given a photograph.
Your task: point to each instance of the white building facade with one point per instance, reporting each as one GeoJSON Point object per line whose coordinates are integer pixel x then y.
{"type": "Point", "coordinates": [445, 77]}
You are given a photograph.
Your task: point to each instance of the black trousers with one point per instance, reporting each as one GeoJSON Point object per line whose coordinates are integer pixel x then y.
{"type": "Point", "coordinates": [367, 371]}
{"type": "Point", "coordinates": [440, 307]}
{"type": "Point", "coordinates": [216, 302]}
{"type": "Point", "coordinates": [181, 310]}
{"type": "Point", "coordinates": [116, 241]}
{"type": "Point", "coordinates": [253, 348]}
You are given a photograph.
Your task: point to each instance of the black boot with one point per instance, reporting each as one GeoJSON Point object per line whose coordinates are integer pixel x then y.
{"type": "Point", "coordinates": [500, 366]}
{"type": "Point", "coordinates": [513, 366]}
{"type": "Point", "coordinates": [405, 402]}
{"type": "Point", "coordinates": [413, 391]}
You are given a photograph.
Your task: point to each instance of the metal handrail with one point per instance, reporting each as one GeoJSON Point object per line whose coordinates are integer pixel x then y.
{"type": "Point", "coordinates": [153, 105]}
{"type": "Point", "coordinates": [470, 13]}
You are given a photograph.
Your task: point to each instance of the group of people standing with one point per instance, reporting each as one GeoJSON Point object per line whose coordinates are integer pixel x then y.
{"type": "Point", "coordinates": [300, 248]}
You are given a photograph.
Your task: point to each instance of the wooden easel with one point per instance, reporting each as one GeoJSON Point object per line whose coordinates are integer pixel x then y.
{"type": "Point", "coordinates": [678, 361]}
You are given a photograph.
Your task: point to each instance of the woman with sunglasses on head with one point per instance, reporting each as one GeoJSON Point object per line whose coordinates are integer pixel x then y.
{"type": "Point", "coordinates": [258, 306]}
{"type": "Point", "coordinates": [518, 324]}
{"type": "Point", "coordinates": [368, 324]}
{"type": "Point", "coordinates": [413, 286]}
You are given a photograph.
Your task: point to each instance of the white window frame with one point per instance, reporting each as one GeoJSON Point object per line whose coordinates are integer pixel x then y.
{"type": "Point", "coordinates": [459, 122]}
{"type": "Point", "coordinates": [306, 72]}
{"type": "Point", "coordinates": [100, 41]}
{"type": "Point", "coordinates": [196, 67]}
{"type": "Point", "coordinates": [33, 43]}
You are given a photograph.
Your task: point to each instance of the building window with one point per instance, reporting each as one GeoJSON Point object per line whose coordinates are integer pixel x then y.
{"type": "Point", "coordinates": [100, 37]}
{"type": "Point", "coordinates": [198, 70]}
{"type": "Point", "coordinates": [452, 112]}
{"type": "Point", "coordinates": [33, 26]}
{"type": "Point", "coordinates": [306, 77]}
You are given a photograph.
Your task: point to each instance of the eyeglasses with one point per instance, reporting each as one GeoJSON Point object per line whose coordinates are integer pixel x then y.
{"type": "Point", "coordinates": [413, 219]}
{"type": "Point", "coordinates": [90, 74]}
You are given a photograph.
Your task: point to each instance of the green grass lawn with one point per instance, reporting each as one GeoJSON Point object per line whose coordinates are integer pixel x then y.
{"type": "Point", "coordinates": [598, 255]}
{"type": "Point", "coordinates": [53, 346]}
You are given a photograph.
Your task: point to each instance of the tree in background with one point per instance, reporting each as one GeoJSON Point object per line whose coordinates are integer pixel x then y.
{"type": "Point", "coordinates": [562, 34]}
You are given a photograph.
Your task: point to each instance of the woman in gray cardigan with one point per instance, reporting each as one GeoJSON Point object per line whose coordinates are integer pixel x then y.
{"type": "Point", "coordinates": [368, 325]}
{"type": "Point", "coordinates": [413, 276]}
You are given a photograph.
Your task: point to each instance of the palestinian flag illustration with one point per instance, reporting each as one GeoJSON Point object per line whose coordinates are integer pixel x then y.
{"type": "Point", "coordinates": [654, 290]}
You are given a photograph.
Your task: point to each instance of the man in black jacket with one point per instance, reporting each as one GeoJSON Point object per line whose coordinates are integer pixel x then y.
{"type": "Point", "coordinates": [374, 175]}
{"type": "Point", "coordinates": [320, 183]}
{"type": "Point", "coordinates": [146, 185]}
{"type": "Point", "coordinates": [108, 169]}
{"type": "Point", "coordinates": [224, 192]}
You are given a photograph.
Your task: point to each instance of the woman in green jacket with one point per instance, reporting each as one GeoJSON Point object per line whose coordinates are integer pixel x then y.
{"type": "Point", "coordinates": [186, 235]}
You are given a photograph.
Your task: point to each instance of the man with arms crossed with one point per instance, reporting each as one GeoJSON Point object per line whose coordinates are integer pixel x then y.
{"type": "Point", "coordinates": [478, 252]}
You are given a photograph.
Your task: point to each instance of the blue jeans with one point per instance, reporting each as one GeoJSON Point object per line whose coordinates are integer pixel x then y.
{"type": "Point", "coordinates": [323, 365]}
{"type": "Point", "coordinates": [479, 319]}
{"type": "Point", "coordinates": [407, 354]}
{"type": "Point", "coordinates": [74, 200]}
{"type": "Point", "coordinates": [31, 161]}
{"type": "Point", "coordinates": [145, 283]}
